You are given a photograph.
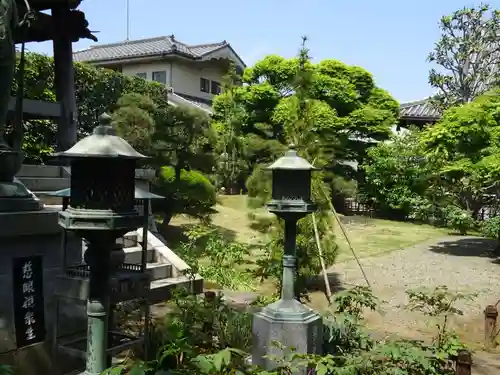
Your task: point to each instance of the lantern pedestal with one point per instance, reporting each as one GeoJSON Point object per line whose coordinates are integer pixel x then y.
{"type": "Point", "coordinates": [98, 256]}
{"type": "Point", "coordinates": [100, 228]}
{"type": "Point", "coordinates": [290, 323]}
{"type": "Point", "coordinates": [286, 321]}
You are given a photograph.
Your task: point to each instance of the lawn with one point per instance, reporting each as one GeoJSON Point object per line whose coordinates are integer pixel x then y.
{"type": "Point", "coordinates": [369, 237]}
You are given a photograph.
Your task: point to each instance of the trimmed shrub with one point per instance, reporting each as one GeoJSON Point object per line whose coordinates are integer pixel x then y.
{"type": "Point", "coordinates": [191, 193]}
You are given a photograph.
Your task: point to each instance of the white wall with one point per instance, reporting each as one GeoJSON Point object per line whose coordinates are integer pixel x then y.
{"type": "Point", "coordinates": [149, 68]}
{"type": "Point", "coordinates": [182, 75]}
{"type": "Point", "coordinates": [186, 77]}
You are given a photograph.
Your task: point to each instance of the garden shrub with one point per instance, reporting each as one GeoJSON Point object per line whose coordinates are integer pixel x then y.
{"type": "Point", "coordinates": [459, 219]}
{"type": "Point", "coordinates": [218, 259]}
{"type": "Point", "coordinates": [204, 336]}
{"type": "Point", "coordinates": [491, 228]}
{"type": "Point", "coordinates": [259, 186]}
{"type": "Point", "coordinates": [192, 193]}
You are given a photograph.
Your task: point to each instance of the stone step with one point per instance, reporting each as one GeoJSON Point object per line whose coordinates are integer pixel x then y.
{"type": "Point", "coordinates": [159, 271]}
{"type": "Point", "coordinates": [47, 199]}
{"type": "Point", "coordinates": [129, 240]}
{"type": "Point", "coordinates": [161, 290]}
{"type": "Point", "coordinates": [45, 184]}
{"type": "Point", "coordinates": [47, 171]}
{"type": "Point", "coordinates": [134, 255]}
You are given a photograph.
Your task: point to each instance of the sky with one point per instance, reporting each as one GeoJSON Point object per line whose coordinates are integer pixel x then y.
{"type": "Point", "coordinates": [389, 38]}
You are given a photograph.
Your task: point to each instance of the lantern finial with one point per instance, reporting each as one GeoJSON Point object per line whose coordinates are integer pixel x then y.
{"type": "Point", "coordinates": [105, 126]}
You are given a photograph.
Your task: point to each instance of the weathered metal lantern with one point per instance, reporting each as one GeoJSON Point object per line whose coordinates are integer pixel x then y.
{"type": "Point", "coordinates": [102, 183]}
{"type": "Point", "coordinates": [101, 209]}
{"type": "Point", "coordinates": [291, 186]}
{"type": "Point", "coordinates": [287, 320]}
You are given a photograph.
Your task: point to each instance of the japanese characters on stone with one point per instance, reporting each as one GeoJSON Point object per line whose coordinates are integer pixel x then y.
{"type": "Point", "coordinates": [28, 300]}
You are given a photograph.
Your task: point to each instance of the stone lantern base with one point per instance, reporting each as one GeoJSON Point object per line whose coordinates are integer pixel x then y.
{"type": "Point", "coordinates": [290, 323]}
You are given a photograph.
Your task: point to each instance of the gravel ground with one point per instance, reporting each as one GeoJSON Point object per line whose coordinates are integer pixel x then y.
{"type": "Point", "coordinates": [463, 264]}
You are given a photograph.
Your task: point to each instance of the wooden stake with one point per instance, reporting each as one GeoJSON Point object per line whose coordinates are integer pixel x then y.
{"type": "Point", "coordinates": [323, 267]}
{"type": "Point", "coordinates": [463, 363]}
{"type": "Point", "coordinates": [490, 324]}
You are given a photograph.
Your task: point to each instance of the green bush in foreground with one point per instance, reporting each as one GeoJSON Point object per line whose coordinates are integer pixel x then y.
{"type": "Point", "coordinates": [204, 336]}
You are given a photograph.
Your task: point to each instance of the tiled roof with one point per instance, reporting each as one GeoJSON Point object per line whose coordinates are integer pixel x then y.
{"type": "Point", "coordinates": [421, 109]}
{"type": "Point", "coordinates": [176, 99]}
{"type": "Point", "coordinates": [158, 46]}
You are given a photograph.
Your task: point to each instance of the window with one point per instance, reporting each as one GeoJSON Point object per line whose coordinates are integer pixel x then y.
{"type": "Point", "coordinates": [204, 85]}
{"type": "Point", "coordinates": [142, 75]}
{"type": "Point", "coordinates": [215, 88]}
{"type": "Point", "coordinates": [160, 77]}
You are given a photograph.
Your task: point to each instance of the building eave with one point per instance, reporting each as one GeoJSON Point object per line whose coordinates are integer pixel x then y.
{"type": "Point", "coordinates": [140, 58]}
{"type": "Point", "coordinates": [239, 61]}
{"type": "Point", "coordinates": [420, 118]}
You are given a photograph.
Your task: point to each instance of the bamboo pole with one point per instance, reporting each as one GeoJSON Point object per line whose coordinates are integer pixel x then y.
{"type": "Point", "coordinates": [344, 232]}
{"type": "Point", "coordinates": [323, 267]}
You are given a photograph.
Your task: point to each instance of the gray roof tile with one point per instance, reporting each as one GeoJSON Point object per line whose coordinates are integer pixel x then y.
{"type": "Point", "coordinates": [179, 99]}
{"type": "Point", "coordinates": [421, 109]}
{"type": "Point", "coordinates": [145, 47]}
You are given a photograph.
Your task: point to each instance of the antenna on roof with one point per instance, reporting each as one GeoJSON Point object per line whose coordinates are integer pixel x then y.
{"type": "Point", "coordinates": [128, 20]}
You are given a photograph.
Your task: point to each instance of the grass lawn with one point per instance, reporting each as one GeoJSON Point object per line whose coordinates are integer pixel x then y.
{"type": "Point", "coordinates": [369, 237]}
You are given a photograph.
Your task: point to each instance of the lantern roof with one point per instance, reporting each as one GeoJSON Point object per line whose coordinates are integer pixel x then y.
{"type": "Point", "coordinates": [292, 161]}
{"type": "Point", "coordinates": [103, 143]}
{"type": "Point", "coordinates": [138, 194]}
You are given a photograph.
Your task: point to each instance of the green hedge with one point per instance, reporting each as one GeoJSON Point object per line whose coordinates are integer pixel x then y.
{"type": "Point", "coordinates": [97, 91]}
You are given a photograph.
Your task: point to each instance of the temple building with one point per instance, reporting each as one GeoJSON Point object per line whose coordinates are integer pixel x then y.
{"type": "Point", "coordinates": [418, 113]}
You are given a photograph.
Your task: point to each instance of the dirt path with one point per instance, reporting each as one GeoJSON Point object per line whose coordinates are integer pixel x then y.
{"type": "Point", "coordinates": [464, 264]}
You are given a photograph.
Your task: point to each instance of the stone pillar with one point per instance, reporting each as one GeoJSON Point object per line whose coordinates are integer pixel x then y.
{"type": "Point", "coordinates": [25, 234]}
{"type": "Point", "coordinates": [64, 81]}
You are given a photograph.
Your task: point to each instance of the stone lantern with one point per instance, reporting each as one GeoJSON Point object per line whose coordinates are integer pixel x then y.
{"type": "Point", "coordinates": [101, 209]}
{"type": "Point", "coordinates": [287, 320]}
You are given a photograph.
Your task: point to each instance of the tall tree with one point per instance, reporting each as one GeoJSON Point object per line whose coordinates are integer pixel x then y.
{"type": "Point", "coordinates": [467, 54]}
{"type": "Point", "coordinates": [230, 149]}
{"type": "Point", "coordinates": [134, 120]}
{"type": "Point", "coordinates": [345, 111]}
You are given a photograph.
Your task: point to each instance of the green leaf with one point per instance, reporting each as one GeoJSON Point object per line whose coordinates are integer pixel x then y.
{"type": "Point", "coordinates": [321, 369]}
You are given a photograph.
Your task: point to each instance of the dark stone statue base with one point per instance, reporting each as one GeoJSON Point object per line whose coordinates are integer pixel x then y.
{"type": "Point", "coordinates": [290, 323]}
{"type": "Point", "coordinates": [14, 197]}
